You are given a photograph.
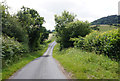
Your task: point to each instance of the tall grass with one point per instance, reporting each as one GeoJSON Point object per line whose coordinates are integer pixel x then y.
{"type": "Point", "coordinates": [86, 65]}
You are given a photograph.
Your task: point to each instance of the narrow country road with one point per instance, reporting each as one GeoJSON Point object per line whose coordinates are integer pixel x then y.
{"type": "Point", "coordinates": [43, 67]}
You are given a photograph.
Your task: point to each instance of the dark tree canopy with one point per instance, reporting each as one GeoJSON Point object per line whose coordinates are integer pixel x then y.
{"type": "Point", "coordinates": [113, 19]}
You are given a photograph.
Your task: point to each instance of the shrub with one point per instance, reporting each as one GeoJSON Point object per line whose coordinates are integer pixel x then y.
{"type": "Point", "coordinates": [88, 40]}
{"type": "Point", "coordinates": [78, 28]}
{"type": "Point", "coordinates": [12, 28]}
{"type": "Point", "coordinates": [78, 42]}
{"type": "Point", "coordinates": [11, 50]}
{"type": "Point", "coordinates": [85, 42]}
{"type": "Point", "coordinates": [107, 43]}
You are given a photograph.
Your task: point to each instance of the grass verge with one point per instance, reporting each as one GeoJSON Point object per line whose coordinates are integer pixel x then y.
{"type": "Point", "coordinates": [8, 71]}
{"type": "Point", "coordinates": [86, 65]}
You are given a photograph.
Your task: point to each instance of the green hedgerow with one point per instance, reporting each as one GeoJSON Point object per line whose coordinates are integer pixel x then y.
{"type": "Point", "coordinates": [107, 43]}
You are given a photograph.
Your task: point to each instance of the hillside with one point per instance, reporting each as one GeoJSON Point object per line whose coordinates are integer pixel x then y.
{"type": "Point", "coordinates": [106, 20]}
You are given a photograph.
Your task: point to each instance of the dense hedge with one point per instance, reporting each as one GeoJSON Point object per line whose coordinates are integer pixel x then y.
{"type": "Point", "coordinates": [107, 43]}
{"type": "Point", "coordinates": [11, 50]}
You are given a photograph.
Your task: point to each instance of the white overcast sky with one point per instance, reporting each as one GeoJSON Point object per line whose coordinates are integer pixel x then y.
{"type": "Point", "coordinates": [89, 10]}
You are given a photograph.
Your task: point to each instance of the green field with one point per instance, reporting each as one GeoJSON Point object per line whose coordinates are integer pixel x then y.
{"type": "Point", "coordinates": [106, 28]}
{"type": "Point", "coordinates": [103, 28]}
{"type": "Point", "coordinates": [86, 65]}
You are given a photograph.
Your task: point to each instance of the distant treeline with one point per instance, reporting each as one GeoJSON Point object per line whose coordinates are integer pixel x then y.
{"type": "Point", "coordinates": [110, 20]}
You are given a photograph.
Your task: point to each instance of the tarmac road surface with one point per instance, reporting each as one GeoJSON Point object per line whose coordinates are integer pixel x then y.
{"type": "Point", "coordinates": [44, 67]}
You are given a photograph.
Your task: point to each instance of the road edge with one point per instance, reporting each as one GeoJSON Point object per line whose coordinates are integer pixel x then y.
{"type": "Point", "coordinates": [67, 74]}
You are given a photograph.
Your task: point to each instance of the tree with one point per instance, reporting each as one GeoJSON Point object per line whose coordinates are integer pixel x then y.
{"type": "Point", "coordinates": [12, 27]}
{"type": "Point", "coordinates": [62, 33]}
{"type": "Point", "coordinates": [68, 27]}
{"type": "Point", "coordinates": [44, 35]}
{"type": "Point", "coordinates": [62, 20]}
{"type": "Point", "coordinates": [78, 28]}
{"type": "Point", "coordinates": [32, 22]}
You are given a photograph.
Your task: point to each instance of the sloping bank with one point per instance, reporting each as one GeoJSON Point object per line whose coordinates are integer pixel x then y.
{"type": "Point", "coordinates": [86, 65]}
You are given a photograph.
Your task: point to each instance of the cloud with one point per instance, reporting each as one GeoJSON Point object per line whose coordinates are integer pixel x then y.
{"type": "Point", "coordinates": [84, 9]}
{"type": "Point", "coordinates": [119, 8]}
